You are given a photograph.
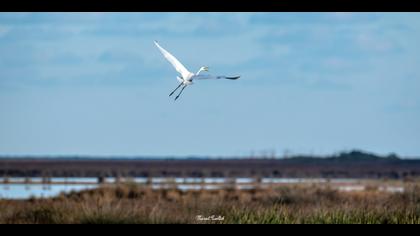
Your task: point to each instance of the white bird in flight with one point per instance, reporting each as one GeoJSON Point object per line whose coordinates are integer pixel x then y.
{"type": "Point", "coordinates": [187, 77]}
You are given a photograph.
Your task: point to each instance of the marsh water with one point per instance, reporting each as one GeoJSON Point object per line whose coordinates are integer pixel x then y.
{"type": "Point", "coordinates": [25, 188]}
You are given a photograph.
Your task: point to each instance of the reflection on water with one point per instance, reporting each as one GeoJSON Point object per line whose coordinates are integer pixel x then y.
{"type": "Point", "coordinates": [392, 189]}
{"type": "Point", "coordinates": [352, 188]}
{"type": "Point", "coordinates": [25, 191]}
{"type": "Point", "coordinates": [24, 188]}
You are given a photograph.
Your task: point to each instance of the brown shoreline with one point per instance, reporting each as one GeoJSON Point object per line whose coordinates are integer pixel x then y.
{"type": "Point", "coordinates": [380, 168]}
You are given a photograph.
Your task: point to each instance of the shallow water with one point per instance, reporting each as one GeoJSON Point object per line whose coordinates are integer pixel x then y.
{"type": "Point", "coordinates": [25, 188]}
{"type": "Point", "coordinates": [26, 191]}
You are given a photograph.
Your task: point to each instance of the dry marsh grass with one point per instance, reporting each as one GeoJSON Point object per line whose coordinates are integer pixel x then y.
{"type": "Point", "coordinates": [131, 204]}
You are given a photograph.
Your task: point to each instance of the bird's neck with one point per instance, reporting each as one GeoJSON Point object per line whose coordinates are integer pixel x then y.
{"type": "Point", "coordinates": [199, 71]}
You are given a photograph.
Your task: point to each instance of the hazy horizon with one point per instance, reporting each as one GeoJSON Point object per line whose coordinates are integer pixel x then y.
{"type": "Point", "coordinates": [94, 84]}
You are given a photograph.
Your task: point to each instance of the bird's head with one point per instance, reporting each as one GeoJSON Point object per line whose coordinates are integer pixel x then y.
{"type": "Point", "coordinates": [203, 68]}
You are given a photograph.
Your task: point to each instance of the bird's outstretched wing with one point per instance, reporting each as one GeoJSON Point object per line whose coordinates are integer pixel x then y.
{"type": "Point", "coordinates": [202, 77]}
{"type": "Point", "coordinates": [178, 66]}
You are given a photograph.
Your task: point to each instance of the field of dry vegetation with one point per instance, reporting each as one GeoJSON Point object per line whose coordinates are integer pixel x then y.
{"type": "Point", "coordinates": [129, 203]}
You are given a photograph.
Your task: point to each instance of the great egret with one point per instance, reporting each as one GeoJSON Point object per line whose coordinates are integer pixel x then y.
{"type": "Point", "coordinates": [187, 77]}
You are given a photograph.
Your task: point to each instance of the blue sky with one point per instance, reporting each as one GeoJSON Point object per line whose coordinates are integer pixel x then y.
{"type": "Point", "coordinates": [94, 83]}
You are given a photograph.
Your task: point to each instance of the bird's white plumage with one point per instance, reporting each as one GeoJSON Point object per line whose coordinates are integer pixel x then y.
{"type": "Point", "coordinates": [175, 63]}
{"type": "Point", "coordinates": [187, 76]}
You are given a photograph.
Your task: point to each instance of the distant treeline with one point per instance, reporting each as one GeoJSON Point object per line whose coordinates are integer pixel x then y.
{"type": "Point", "coordinates": [353, 164]}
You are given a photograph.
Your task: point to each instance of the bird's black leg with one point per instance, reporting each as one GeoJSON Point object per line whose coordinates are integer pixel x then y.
{"type": "Point", "coordinates": [175, 89]}
{"type": "Point", "coordinates": [180, 92]}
